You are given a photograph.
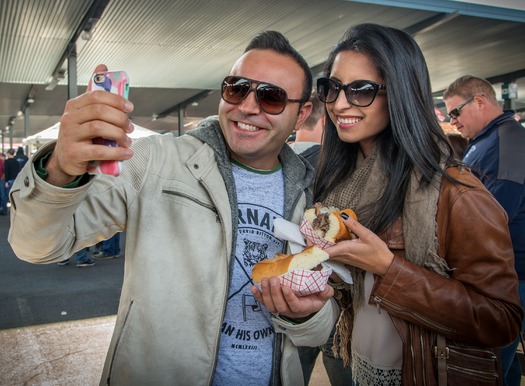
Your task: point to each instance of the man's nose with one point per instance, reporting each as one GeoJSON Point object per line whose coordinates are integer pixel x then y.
{"type": "Point", "coordinates": [249, 104]}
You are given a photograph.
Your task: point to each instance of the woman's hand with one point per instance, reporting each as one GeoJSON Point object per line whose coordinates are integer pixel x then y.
{"type": "Point", "coordinates": [367, 251]}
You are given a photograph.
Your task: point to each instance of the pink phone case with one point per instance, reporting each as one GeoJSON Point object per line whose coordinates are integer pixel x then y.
{"type": "Point", "coordinates": [116, 82]}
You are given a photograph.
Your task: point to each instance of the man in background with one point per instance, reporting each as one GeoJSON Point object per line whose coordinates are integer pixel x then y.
{"type": "Point", "coordinates": [3, 199]}
{"type": "Point", "coordinates": [308, 137]}
{"type": "Point", "coordinates": [11, 170]}
{"type": "Point", "coordinates": [21, 157]}
{"type": "Point", "coordinates": [496, 152]}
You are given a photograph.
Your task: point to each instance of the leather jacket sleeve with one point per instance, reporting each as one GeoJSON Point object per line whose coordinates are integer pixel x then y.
{"type": "Point", "coordinates": [479, 303]}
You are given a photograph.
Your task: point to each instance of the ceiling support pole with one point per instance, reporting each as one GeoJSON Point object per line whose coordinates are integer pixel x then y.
{"type": "Point", "coordinates": [72, 89]}
{"type": "Point", "coordinates": [181, 120]}
{"type": "Point", "coordinates": [26, 127]}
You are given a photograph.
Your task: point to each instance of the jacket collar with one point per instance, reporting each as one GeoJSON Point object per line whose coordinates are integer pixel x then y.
{"type": "Point", "coordinates": [297, 171]}
{"type": "Point", "coordinates": [494, 124]}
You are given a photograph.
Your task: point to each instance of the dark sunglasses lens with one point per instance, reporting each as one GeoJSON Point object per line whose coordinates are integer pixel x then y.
{"type": "Point", "coordinates": [333, 89]}
{"type": "Point", "coordinates": [454, 114]}
{"type": "Point", "coordinates": [361, 93]}
{"type": "Point", "coordinates": [234, 89]}
{"type": "Point", "coordinates": [323, 89]}
{"type": "Point", "coordinates": [272, 99]}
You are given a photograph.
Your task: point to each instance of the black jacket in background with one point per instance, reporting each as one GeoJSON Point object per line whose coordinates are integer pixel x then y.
{"type": "Point", "coordinates": [12, 168]}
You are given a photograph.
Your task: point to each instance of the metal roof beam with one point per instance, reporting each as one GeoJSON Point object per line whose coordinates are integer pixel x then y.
{"type": "Point", "coordinates": [430, 23]}
{"type": "Point", "coordinates": [421, 27]}
{"type": "Point", "coordinates": [495, 9]}
{"type": "Point", "coordinates": [503, 78]}
{"type": "Point", "coordinates": [184, 103]}
{"type": "Point", "coordinates": [91, 17]}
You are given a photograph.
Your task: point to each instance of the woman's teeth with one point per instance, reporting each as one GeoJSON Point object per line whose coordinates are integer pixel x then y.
{"type": "Point", "coordinates": [348, 121]}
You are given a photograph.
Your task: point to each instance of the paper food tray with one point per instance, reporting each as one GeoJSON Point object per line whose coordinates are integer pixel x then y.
{"type": "Point", "coordinates": [310, 234]}
{"type": "Point", "coordinates": [306, 282]}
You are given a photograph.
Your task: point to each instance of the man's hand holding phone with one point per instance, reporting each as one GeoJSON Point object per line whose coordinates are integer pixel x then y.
{"type": "Point", "coordinates": [117, 83]}
{"type": "Point", "coordinates": [95, 114]}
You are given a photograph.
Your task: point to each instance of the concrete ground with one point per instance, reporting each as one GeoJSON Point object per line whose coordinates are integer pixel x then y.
{"type": "Point", "coordinates": [67, 353]}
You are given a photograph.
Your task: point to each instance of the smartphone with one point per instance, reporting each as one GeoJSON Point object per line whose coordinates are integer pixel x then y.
{"type": "Point", "coordinates": [116, 82]}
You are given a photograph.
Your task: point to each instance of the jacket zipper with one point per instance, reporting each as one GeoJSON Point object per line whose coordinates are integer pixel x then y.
{"type": "Point", "coordinates": [425, 321]}
{"type": "Point", "coordinates": [475, 374]}
{"type": "Point", "coordinates": [423, 368]}
{"type": "Point", "coordinates": [208, 206]}
{"type": "Point", "coordinates": [413, 356]}
{"type": "Point", "coordinates": [490, 354]}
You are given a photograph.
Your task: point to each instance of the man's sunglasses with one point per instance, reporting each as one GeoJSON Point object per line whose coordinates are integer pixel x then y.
{"type": "Point", "coordinates": [455, 113]}
{"type": "Point", "coordinates": [270, 98]}
{"type": "Point", "coordinates": [360, 93]}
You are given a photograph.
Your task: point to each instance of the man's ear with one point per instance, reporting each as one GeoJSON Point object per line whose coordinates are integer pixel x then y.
{"type": "Point", "coordinates": [304, 113]}
{"type": "Point", "coordinates": [480, 100]}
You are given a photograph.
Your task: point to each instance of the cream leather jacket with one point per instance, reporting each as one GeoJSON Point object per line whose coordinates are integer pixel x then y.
{"type": "Point", "coordinates": [176, 200]}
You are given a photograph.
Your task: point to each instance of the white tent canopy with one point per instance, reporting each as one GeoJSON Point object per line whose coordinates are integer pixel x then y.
{"type": "Point", "coordinates": [51, 133]}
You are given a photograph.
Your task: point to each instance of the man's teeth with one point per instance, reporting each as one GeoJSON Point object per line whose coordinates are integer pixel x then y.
{"type": "Point", "coordinates": [348, 121]}
{"type": "Point", "coordinates": [245, 126]}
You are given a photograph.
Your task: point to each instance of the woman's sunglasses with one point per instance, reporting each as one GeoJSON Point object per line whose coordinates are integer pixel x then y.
{"type": "Point", "coordinates": [455, 113]}
{"type": "Point", "coordinates": [270, 98]}
{"type": "Point", "coordinates": [360, 93]}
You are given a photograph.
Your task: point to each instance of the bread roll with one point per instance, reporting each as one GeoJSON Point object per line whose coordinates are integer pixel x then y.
{"type": "Point", "coordinates": [307, 259]}
{"type": "Point", "coordinates": [328, 223]}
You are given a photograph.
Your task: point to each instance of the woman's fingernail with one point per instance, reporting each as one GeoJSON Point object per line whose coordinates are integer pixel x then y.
{"type": "Point", "coordinates": [344, 216]}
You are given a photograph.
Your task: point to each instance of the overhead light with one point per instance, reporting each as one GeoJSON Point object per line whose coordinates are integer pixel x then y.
{"type": "Point", "coordinates": [86, 35]}
{"type": "Point", "coordinates": [54, 79]}
{"type": "Point", "coordinates": [195, 104]}
{"type": "Point", "coordinates": [20, 113]}
{"type": "Point", "coordinates": [51, 84]}
{"type": "Point", "coordinates": [154, 117]}
{"type": "Point", "coordinates": [30, 100]}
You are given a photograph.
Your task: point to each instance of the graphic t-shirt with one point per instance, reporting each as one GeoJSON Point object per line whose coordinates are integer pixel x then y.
{"type": "Point", "coordinates": [245, 353]}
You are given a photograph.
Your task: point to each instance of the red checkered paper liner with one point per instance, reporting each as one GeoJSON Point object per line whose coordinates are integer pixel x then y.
{"type": "Point", "coordinates": [309, 233]}
{"type": "Point", "coordinates": [306, 282]}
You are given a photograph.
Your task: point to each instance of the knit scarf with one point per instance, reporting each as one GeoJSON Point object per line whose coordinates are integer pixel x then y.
{"type": "Point", "coordinates": [361, 192]}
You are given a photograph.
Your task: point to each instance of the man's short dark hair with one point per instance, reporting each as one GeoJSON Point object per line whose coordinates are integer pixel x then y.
{"type": "Point", "coordinates": [276, 41]}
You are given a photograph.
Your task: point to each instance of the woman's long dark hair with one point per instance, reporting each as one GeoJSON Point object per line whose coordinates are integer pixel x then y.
{"type": "Point", "coordinates": [412, 141]}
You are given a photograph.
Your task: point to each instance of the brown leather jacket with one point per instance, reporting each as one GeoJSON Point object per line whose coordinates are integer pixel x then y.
{"type": "Point", "coordinates": [478, 304]}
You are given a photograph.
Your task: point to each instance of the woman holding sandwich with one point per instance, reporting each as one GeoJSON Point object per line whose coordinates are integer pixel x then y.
{"type": "Point", "coordinates": [433, 264]}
